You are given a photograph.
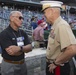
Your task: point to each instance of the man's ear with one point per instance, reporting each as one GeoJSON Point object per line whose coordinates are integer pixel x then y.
{"type": "Point", "coordinates": [11, 18]}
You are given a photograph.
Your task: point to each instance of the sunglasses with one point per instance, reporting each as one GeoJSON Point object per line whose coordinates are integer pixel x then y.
{"type": "Point", "coordinates": [19, 17]}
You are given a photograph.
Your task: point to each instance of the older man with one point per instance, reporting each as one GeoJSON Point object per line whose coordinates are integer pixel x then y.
{"type": "Point", "coordinates": [61, 42]}
{"type": "Point", "coordinates": [14, 42]}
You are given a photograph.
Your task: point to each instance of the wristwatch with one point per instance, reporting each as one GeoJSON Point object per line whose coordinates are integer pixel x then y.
{"type": "Point", "coordinates": [21, 50]}
{"type": "Point", "coordinates": [55, 64]}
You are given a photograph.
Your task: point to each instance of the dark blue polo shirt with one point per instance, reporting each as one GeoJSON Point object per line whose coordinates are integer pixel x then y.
{"type": "Point", "coordinates": [8, 37]}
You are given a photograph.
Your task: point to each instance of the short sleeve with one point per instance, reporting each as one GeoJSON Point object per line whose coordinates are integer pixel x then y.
{"type": "Point", "coordinates": [42, 31]}
{"type": "Point", "coordinates": [5, 40]}
{"type": "Point", "coordinates": [66, 36]}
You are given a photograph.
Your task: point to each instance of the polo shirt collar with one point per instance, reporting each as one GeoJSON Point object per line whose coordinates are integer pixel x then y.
{"type": "Point", "coordinates": [12, 29]}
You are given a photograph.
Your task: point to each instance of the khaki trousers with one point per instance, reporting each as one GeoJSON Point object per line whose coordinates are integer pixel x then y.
{"type": "Point", "coordinates": [36, 44]}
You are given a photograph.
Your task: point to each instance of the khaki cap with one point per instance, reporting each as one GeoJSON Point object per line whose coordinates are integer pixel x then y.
{"type": "Point", "coordinates": [47, 4]}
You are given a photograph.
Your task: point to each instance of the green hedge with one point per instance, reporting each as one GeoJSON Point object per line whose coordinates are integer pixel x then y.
{"type": "Point", "coordinates": [74, 31]}
{"type": "Point", "coordinates": [46, 33]}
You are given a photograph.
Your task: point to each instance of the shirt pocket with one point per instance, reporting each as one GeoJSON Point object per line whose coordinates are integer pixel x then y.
{"type": "Point", "coordinates": [51, 40]}
{"type": "Point", "coordinates": [14, 41]}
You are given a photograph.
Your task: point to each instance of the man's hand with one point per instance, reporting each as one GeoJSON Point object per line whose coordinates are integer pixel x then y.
{"type": "Point", "coordinates": [52, 67]}
{"type": "Point", "coordinates": [13, 50]}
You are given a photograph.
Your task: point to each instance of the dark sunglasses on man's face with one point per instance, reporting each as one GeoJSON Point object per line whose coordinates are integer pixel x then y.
{"type": "Point", "coordinates": [20, 17]}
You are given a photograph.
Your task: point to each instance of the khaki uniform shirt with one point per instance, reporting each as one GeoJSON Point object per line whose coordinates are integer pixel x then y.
{"type": "Point", "coordinates": [60, 37]}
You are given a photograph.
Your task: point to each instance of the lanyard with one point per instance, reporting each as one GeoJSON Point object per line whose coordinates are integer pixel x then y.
{"type": "Point", "coordinates": [19, 39]}
{"type": "Point", "coordinates": [16, 35]}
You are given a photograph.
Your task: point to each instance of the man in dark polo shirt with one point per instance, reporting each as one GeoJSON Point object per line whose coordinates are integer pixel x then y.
{"type": "Point", "coordinates": [14, 43]}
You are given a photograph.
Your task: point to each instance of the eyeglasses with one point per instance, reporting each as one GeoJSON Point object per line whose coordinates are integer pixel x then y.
{"type": "Point", "coordinates": [19, 17]}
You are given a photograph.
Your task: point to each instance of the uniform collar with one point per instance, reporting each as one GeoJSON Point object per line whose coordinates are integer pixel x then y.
{"type": "Point", "coordinates": [56, 22]}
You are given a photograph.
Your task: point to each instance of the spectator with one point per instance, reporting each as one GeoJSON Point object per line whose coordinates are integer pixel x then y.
{"type": "Point", "coordinates": [33, 23]}
{"type": "Point", "coordinates": [38, 33]}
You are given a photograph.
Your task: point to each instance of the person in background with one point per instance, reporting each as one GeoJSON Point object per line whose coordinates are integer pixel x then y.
{"type": "Point", "coordinates": [61, 41]}
{"type": "Point", "coordinates": [38, 34]}
{"type": "Point", "coordinates": [0, 50]}
{"type": "Point", "coordinates": [14, 43]}
{"type": "Point", "coordinates": [45, 26]}
{"type": "Point", "coordinates": [33, 23]}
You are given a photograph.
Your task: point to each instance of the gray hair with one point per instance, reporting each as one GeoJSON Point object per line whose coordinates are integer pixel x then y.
{"type": "Point", "coordinates": [13, 12]}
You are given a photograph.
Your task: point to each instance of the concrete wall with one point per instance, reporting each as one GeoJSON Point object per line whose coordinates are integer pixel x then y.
{"type": "Point", "coordinates": [36, 65]}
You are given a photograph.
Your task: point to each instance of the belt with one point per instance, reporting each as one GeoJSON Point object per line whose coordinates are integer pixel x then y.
{"type": "Point", "coordinates": [14, 62]}
{"type": "Point", "coordinates": [36, 40]}
{"type": "Point", "coordinates": [52, 60]}
{"type": "Point", "coordinates": [39, 41]}
{"type": "Point", "coordinates": [49, 60]}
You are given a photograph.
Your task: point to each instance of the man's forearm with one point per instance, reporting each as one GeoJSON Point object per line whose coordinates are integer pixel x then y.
{"type": "Point", "coordinates": [27, 48]}
{"type": "Point", "coordinates": [66, 55]}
